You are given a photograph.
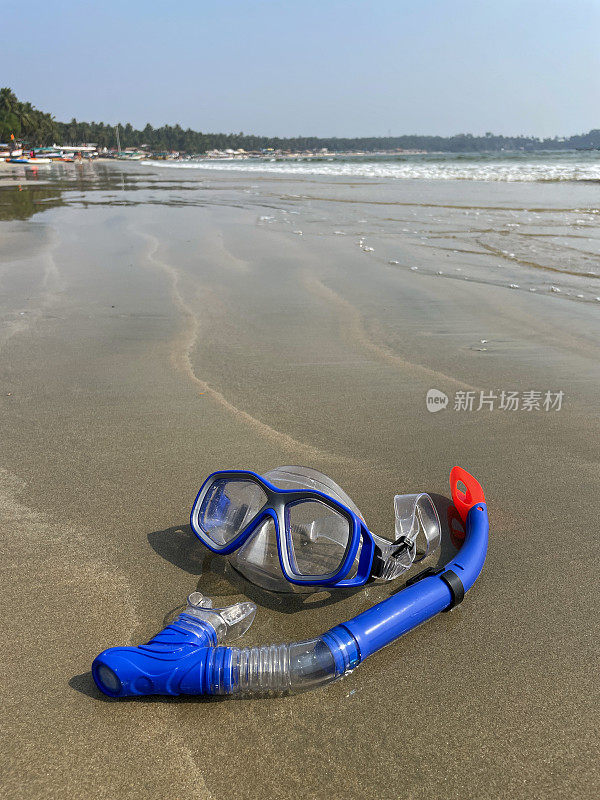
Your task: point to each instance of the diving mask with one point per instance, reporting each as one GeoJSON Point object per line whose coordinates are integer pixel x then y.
{"type": "Point", "coordinates": [295, 527]}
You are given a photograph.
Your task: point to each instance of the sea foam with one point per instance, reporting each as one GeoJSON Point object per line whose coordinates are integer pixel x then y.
{"type": "Point", "coordinates": [514, 167]}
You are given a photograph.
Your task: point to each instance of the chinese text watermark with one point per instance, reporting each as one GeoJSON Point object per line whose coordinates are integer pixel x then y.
{"type": "Point", "coordinates": [499, 400]}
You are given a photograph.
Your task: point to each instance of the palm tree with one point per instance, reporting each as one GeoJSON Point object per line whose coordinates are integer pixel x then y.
{"type": "Point", "coordinates": [9, 119]}
{"type": "Point", "coordinates": [8, 101]}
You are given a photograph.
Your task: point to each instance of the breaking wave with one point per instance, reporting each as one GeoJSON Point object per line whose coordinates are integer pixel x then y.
{"type": "Point", "coordinates": [514, 167]}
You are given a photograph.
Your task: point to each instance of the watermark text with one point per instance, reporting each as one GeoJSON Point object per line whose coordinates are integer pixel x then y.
{"type": "Point", "coordinates": [496, 400]}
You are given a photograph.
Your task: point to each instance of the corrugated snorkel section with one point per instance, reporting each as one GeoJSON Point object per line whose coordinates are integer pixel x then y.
{"type": "Point", "coordinates": [275, 668]}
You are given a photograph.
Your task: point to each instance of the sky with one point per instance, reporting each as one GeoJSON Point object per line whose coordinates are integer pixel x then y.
{"type": "Point", "coordinates": [311, 68]}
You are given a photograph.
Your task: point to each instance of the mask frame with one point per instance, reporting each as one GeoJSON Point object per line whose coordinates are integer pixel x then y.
{"type": "Point", "coordinates": [277, 500]}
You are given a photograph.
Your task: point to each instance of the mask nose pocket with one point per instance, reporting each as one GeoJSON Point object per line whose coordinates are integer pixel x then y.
{"type": "Point", "coordinates": [258, 559]}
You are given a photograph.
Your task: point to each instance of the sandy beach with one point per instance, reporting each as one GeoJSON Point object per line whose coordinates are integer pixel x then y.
{"type": "Point", "coordinates": [157, 324]}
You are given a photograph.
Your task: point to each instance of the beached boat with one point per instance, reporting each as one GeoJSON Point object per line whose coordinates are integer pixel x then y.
{"type": "Point", "coordinates": [28, 160]}
{"type": "Point", "coordinates": [49, 152]}
{"type": "Point", "coordinates": [126, 155]}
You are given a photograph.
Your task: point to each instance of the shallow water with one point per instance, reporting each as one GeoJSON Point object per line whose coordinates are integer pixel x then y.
{"type": "Point", "coordinates": [536, 238]}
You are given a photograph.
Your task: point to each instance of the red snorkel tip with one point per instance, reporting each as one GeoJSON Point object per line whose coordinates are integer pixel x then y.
{"type": "Point", "coordinates": [464, 500]}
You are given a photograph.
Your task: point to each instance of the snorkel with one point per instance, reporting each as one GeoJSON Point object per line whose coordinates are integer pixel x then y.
{"type": "Point", "coordinates": [187, 656]}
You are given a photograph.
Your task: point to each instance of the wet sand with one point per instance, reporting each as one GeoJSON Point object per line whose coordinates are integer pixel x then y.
{"type": "Point", "coordinates": [156, 325]}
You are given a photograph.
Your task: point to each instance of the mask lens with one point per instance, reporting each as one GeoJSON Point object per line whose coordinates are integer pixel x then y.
{"type": "Point", "coordinates": [318, 537]}
{"type": "Point", "coordinates": [228, 506]}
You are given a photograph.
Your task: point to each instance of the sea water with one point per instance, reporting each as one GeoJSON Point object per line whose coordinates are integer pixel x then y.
{"type": "Point", "coordinates": [532, 166]}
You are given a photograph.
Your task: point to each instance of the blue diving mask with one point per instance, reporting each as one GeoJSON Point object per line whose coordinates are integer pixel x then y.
{"type": "Point", "coordinates": [295, 529]}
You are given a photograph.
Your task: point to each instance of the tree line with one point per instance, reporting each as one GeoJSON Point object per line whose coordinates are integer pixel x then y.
{"type": "Point", "coordinates": [39, 128]}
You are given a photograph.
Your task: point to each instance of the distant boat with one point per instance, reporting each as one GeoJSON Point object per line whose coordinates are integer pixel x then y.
{"type": "Point", "coordinates": [49, 152]}
{"type": "Point", "coordinates": [28, 160]}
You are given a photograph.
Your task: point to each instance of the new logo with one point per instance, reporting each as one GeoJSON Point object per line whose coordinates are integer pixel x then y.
{"type": "Point", "coordinates": [436, 400]}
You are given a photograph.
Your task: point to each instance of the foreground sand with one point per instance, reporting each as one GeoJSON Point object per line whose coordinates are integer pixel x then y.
{"type": "Point", "coordinates": [157, 326]}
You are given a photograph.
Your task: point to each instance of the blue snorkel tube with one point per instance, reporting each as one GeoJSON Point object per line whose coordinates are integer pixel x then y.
{"type": "Point", "coordinates": [185, 658]}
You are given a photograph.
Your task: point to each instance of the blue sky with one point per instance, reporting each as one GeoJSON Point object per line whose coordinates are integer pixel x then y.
{"type": "Point", "coordinates": [311, 68]}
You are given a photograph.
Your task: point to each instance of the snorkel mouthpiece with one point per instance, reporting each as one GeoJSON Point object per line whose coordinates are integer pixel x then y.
{"type": "Point", "coordinates": [184, 657]}
{"type": "Point", "coordinates": [175, 660]}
